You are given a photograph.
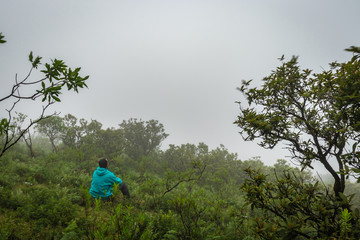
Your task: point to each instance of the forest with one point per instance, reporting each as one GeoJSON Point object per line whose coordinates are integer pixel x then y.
{"type": "Point", "coordinates": [186, 191]}
{"type": "Point", "coordinates": [182, 192]}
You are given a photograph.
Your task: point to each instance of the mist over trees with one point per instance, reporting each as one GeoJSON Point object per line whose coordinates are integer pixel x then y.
{"type": "Point", "coordinates": [56, 78]}
{"type": "Point", "coordinates": [317, 116]}
{"type": "Point", "coordinates": [186, 191]}
{"type": "Point", "coordinates": [182, 191]}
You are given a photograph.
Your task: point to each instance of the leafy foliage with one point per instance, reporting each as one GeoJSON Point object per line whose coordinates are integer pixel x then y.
{"type": "Point", "coordinates": [142, 137]}
{"type": "Point", "coordinates": [57, 75]}
{"type": "Point", "coordinates": [47, 196]}
{"type": "Point", "coordinates": [295, 209]}
{"type": "Point", "coordinates": [52, 127]}
{"type": "Point", "coordinates": [315, 115]}
{"type": "Point", "coordinates": [187, 191]}
{"type": "Point", "coordinates": [2, 39]}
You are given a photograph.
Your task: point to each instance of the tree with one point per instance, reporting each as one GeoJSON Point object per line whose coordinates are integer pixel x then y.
{"type": "Point", "coordinates": [142, 137]}
{"type": "Point", "coordinates": [185, 163]}
{"type": "Point", "coordinates": [57, 77]}
{"type": "Point", "coordinates": [72, 133]}
{"type": "Point", "coordinates": [16, 129]}
{"type": "Point", "coordinates": [315, 115]}
{"type": "Point", "coordinates": [52, 127]}
{"type": "Point", "coordinates": [90, 138]}
{"type": "Point", "coordinates": [111, 142]}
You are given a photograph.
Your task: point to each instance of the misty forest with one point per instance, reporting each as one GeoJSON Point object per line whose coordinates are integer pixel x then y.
{"type": "Point", "coordinates": [186, 191]}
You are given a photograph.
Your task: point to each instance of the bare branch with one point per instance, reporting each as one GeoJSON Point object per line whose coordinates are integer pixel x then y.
{"type": "Point", "coordinates": [14, 139]}
{"type": "Point", "coordinates": [191, 178]}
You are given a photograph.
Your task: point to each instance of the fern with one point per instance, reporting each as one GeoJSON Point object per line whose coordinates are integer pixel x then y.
{"type": "Point", "coordinates": [345, 225]}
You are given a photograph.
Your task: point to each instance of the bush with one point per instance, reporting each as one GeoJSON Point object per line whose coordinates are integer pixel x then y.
{"type": "Point", "coordinates": [295, 209]}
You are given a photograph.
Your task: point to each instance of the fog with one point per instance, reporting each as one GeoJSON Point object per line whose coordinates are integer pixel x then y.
{"type": "Point", "coordinates": [178, 62]}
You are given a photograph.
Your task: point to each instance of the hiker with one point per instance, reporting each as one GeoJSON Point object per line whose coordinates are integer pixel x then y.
{"type": "Point", "coordinates": [103, 181]}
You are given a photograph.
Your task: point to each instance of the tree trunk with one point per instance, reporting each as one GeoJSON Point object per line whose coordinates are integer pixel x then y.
{"type": "Point", "coordinates": [28, 143]}
{"type": "Point", "coordinates": [339, 184]}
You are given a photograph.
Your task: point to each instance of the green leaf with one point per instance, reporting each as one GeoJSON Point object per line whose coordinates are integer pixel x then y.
{"type": "Point", "coordinates": [36, 62]}
{"type": "Point", "coordinates": [56, 99]}
{"type": "Point", "coordinates": [3, 125]}
{"type": "Point", "coordinates": [2, 38]}
{"type": "Point", "coordinates": [353, 49]}
{"type": "Point", "coordinates": [354, 147]}
{"type": "Point", "coordinates": [31, 56]}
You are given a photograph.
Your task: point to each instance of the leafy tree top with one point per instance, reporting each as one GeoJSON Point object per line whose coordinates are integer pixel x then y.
{"type": "Point", "coordinates": [315, 114]}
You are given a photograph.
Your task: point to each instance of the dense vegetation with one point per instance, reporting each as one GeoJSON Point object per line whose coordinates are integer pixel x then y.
{"type": "Point", "coordinates": [187, 191]}
{"type": "Point", "coordinates": [182, 192]}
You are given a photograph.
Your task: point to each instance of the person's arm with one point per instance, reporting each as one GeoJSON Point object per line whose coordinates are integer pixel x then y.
{"type": "Point", "coordinates": [115, 179]}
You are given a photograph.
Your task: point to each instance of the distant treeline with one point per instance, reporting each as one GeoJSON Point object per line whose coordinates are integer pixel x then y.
{"type": "Point", "coordinates": [183, 192]}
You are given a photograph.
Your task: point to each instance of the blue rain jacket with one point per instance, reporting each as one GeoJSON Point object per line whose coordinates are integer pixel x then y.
{"type": "Point", "coordinates": [102, 183]}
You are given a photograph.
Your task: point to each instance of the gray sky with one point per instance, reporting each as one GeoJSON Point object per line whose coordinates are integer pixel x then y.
{"type": "Point", "coordinates": [178, 62]}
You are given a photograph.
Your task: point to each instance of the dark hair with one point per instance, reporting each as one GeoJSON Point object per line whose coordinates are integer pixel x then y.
{"type": "Point", "coordinates": [103, 163]}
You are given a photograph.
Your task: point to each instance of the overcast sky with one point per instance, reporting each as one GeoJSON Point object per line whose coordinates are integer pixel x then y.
{"type": "Point", "coordinates": [178, 62]}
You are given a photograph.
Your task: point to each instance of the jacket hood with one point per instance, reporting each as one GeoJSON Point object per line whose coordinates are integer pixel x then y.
{"type": "Point", "coordinates": [101, 171]}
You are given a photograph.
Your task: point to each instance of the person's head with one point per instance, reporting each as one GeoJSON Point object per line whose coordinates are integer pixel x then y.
{"type": "Point", "coordinates": [103, 163]}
